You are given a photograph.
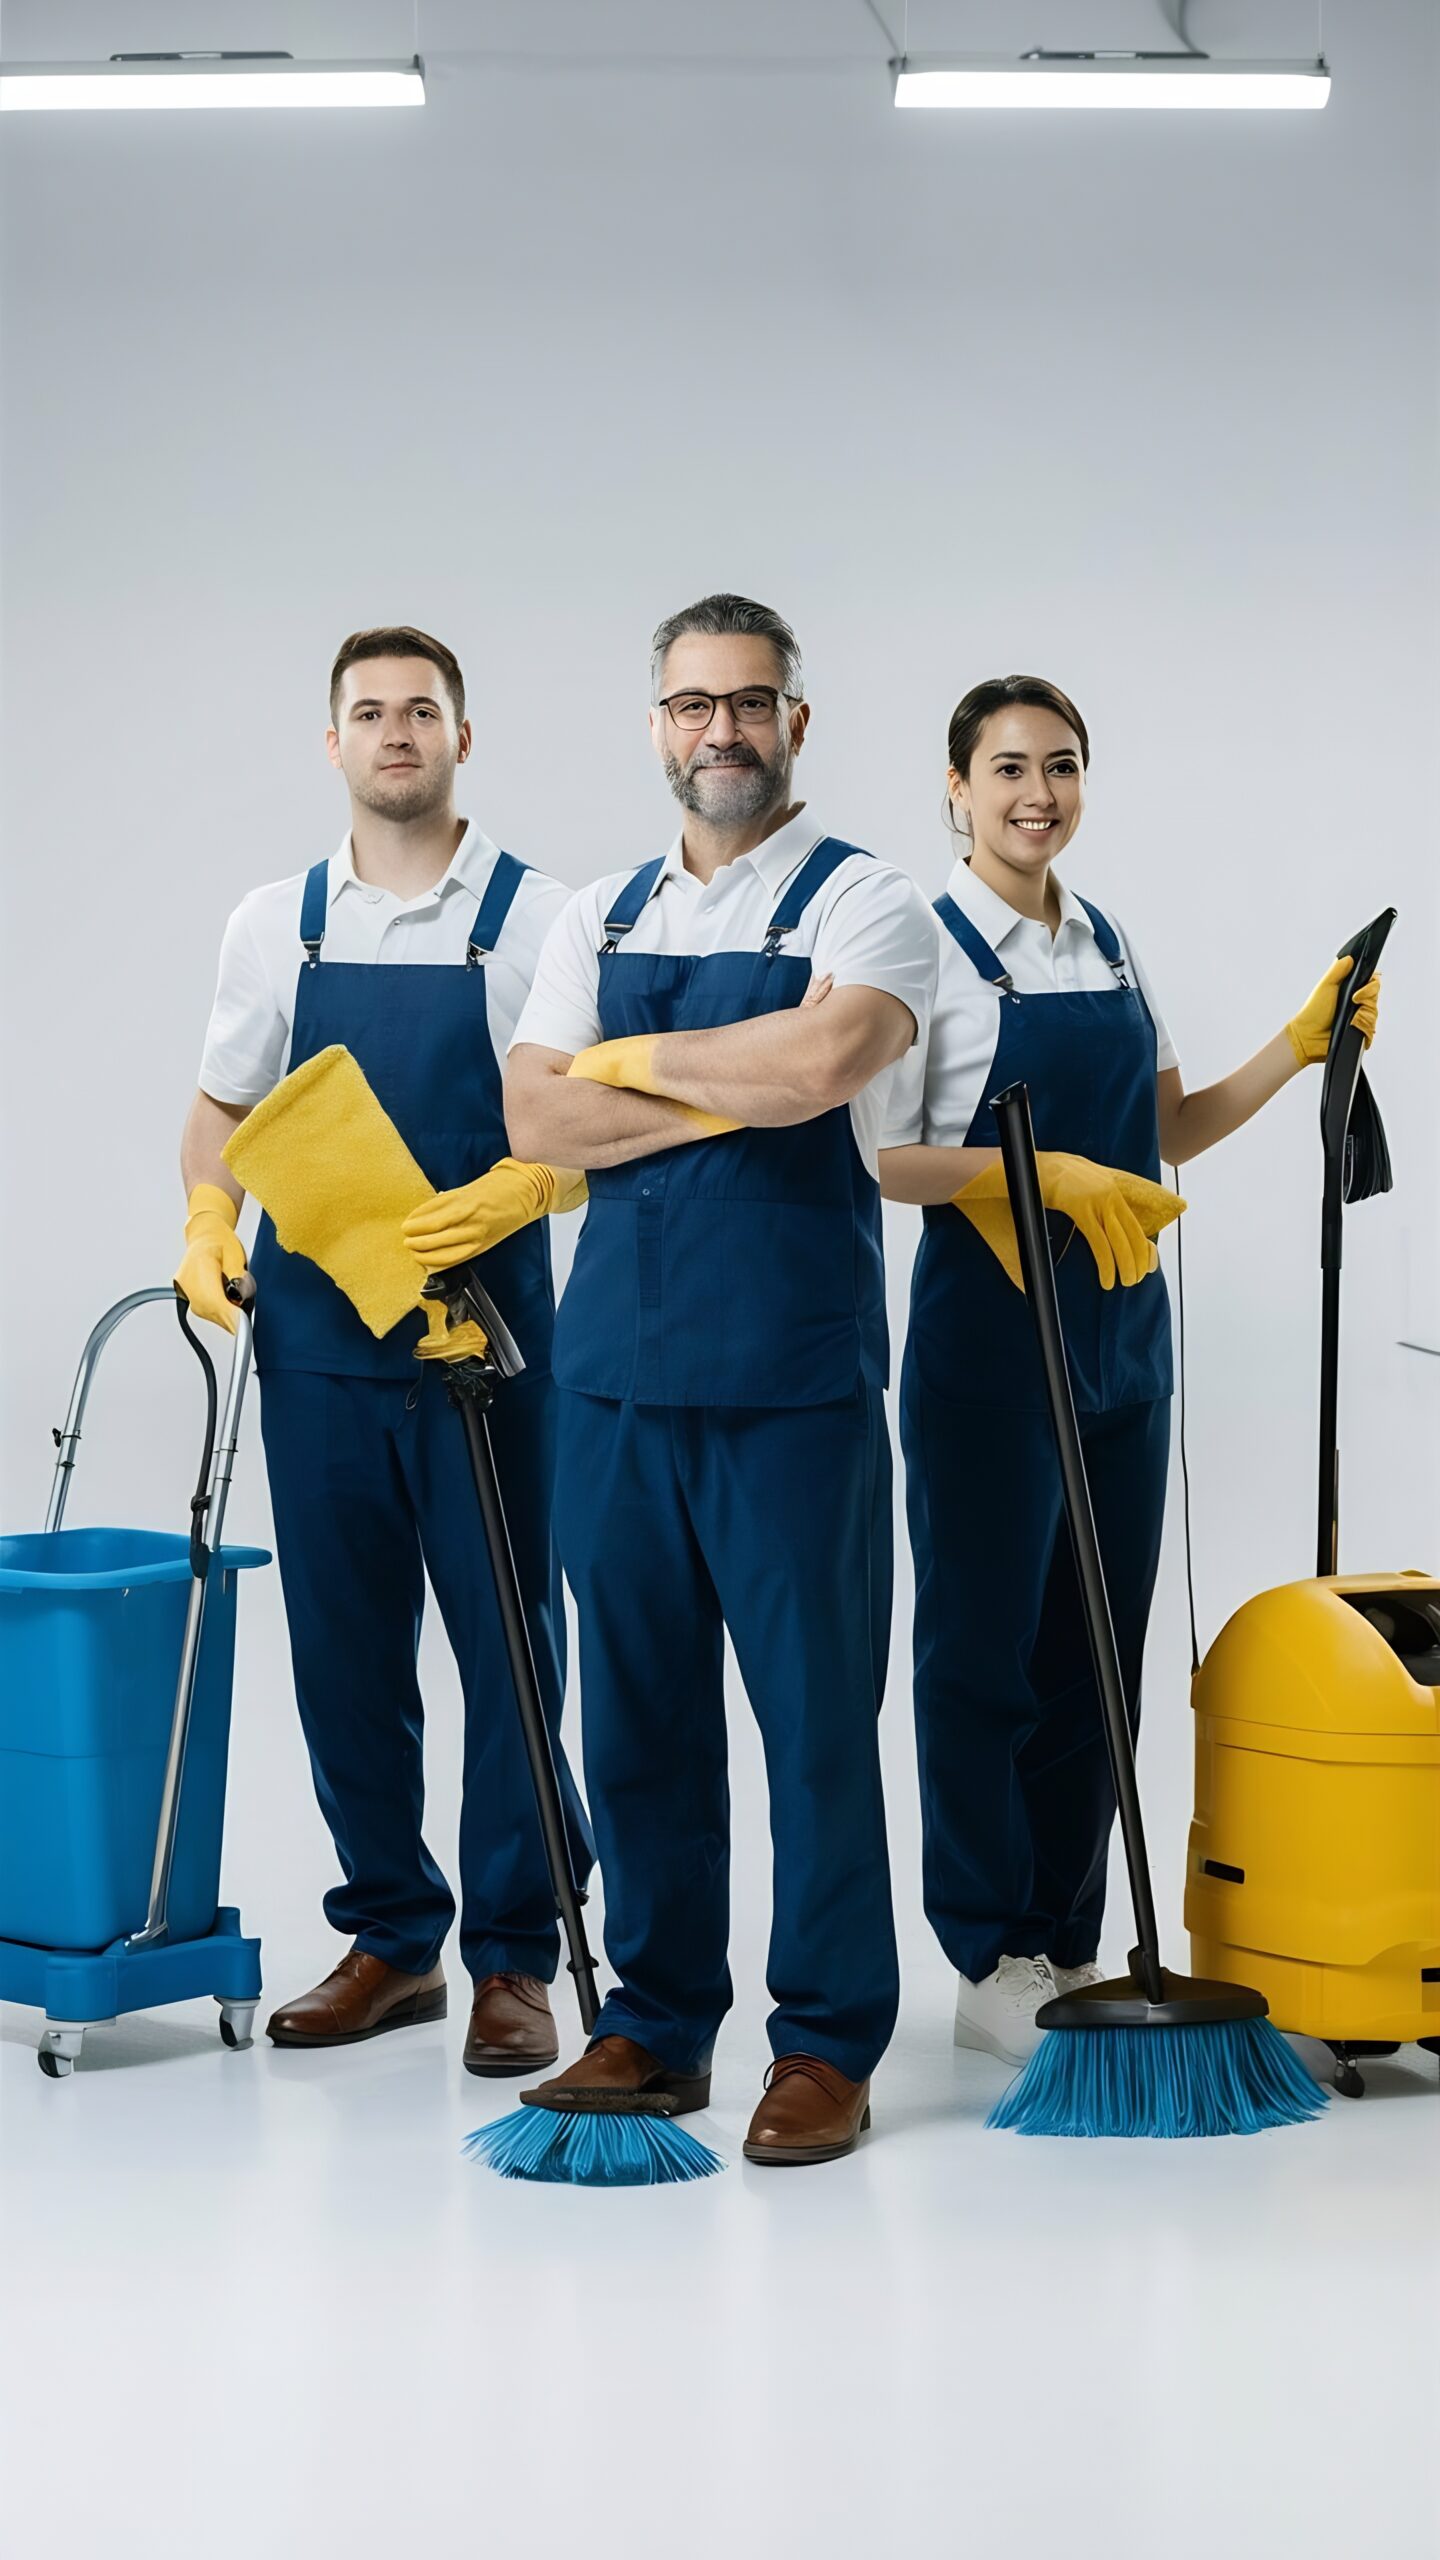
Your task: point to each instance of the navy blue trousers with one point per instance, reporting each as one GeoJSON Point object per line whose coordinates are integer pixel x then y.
{"type": "Point", "coordinates": [674, 1523]}
{"type": "Point", "coordinates": [371, 1487]}
{"type": "Point", "coordinates": [1016, 1795]}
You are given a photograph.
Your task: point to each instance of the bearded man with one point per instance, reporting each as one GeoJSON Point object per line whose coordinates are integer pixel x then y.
{"type": "Point", "coordinates": [709, 1037]}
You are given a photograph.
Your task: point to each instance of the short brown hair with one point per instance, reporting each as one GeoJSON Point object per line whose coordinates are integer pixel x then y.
{"type": "Point", "coordinates": [398, 640]}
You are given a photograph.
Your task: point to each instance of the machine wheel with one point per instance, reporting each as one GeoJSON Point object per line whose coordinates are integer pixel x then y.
{"type": "Point", "coordinates": [237, 2018]}
{"type": "Point", "coordinates": [1347, 2078]}
{"type": "Point", "coordinates": [56, 2066]}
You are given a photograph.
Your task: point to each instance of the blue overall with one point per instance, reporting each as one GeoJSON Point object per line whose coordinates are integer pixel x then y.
{"type": "Point", "coordinates": [1015, 1787]}
{"type": "Point", "coordinates": [721, 1351]}
{"type": "Point", "coordinates": [371, 1488]}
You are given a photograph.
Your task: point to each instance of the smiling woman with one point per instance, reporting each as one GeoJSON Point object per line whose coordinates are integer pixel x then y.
{"type": "Point", "coordinates": [1036, 985]}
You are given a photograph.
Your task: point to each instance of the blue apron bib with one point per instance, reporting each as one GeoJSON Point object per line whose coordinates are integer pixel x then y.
{"type": "Point", "coordinates": [422, 1037]}
{"type": "Point", "coordinates": [1089, 1062]}
{"type": "Point", "coordinates": [742, 1270]}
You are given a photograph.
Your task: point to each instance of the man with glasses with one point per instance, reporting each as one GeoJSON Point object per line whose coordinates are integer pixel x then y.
{"type": "Point", "coordinates": [704, 1036]}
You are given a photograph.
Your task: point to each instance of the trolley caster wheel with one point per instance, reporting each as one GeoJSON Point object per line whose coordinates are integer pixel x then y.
{"type": "Point", "coordinates": [237, 2019]}
{"type": "Point", "coordinates": [60, 2051]}
{"type": "Point", "coordinates": [1348, 2080]}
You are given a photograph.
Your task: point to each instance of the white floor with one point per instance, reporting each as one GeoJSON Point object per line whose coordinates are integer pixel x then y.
{"type": "Point", "coordinates": [260, 2304]}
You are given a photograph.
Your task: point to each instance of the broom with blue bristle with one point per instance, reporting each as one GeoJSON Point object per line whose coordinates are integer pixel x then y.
{"type": "Point", "coordinates": [558, 2136]}
{"type": "Point", "coordinates": [1155, 2053]}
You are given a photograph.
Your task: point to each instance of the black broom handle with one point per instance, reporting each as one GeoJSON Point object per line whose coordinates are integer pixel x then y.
{"type": "Point", "coordinates": [1344, 1058]}
{"type": "Point", "coordinates": [538, 1752]}
{"type": "Point", "coordinates": [1022, 1181]}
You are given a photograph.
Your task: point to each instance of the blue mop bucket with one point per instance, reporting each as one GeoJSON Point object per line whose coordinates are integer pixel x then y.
{"type": "Point", "coordinates": [116, 1653]}
{"type": "Point", "coordinates": [92, 1629]}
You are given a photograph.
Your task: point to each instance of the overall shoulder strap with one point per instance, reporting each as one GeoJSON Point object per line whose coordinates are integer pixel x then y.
{"type": "Point", "coordinates": [987, 963]}
{"type": "Point", "coordinates": [806, 885]}
{"type": "Point", "coordinates": [1107, 940]}
{"type": "Point", "coordinates": [313, 907]}
{"type": "Point", "coordinates": [631, 902]}
{"type": "Point", "coordinates": [494, 907]}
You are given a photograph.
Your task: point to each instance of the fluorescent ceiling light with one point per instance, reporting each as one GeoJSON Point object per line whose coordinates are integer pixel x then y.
{"type": "Point", "coordinates": [201, 80]}
{"type": "Point", "coordinates": [1097, 80]}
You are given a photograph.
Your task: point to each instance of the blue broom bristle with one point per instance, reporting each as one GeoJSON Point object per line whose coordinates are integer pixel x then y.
{"type": "Point", "coordinates": [1165, 2083]}
{"type": "Point", "coordinates": [563, 2148]}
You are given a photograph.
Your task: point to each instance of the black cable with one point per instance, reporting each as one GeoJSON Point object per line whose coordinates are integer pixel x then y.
{"type": "Point", "coordinates": [1175, 13]}
{"type": "Point", "coordinates": [897, 50]}
{"type": "Point", "coordinates": [1184, 1454]}
{"type": "Point", "coordinates": [200, 1502]}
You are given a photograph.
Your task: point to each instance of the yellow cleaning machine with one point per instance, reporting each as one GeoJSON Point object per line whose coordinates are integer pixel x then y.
{"type": "Point", "coordinates": [1314, 1866]}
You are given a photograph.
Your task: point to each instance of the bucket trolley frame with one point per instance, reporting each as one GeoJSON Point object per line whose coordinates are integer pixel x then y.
{"type": "Point", "coordinates": [150, 1969]}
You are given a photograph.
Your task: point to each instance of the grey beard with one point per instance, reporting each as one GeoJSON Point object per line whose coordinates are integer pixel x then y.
{"type": "Point", "coordinates": [739, 794]}
{"type": "Point", "coordinates": [416, 795]}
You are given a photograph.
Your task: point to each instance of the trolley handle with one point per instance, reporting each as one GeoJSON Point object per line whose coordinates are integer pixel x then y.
{"type": "Point", "coordinates": [208, 1505]}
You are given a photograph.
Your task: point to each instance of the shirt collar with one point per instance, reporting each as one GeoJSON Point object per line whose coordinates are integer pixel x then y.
{"type": "Point", "coordinates": [470, 866]}
{"type": "Point", "coordinates": [995, 918]}
{"type": "Point", "coordinates": [773, 862]}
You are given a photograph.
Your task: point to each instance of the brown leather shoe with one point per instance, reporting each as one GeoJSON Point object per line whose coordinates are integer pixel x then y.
{"type": "Point", "coordinates": [618, 2077]}
{"type": "Point", "coordinates": [809, 2112]}
{"type": "Point", "coordinates": [511, 2028]}
{"type": "Point", "coordinates": [361, 1998]}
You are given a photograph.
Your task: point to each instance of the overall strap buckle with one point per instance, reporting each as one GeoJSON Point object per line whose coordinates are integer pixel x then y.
{"type": "Point", "coordinates": [631, 903]}
{"type": "Point", "coordinates": [494, 907]}
{"type": "Point", "coordinates": [1108, 944]}
{"type": "Point", "coordinates": [314, 907]}
{"type": "Point", "coordinates": [804, 887]}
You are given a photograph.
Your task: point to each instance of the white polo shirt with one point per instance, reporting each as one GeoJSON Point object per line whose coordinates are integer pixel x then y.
{"type": "Point", "coordinates": [935, 1092]}
{"type": "Point", "coordinates": [247, 1044]}
{"type": "Point", "coordinates": [867, 927]}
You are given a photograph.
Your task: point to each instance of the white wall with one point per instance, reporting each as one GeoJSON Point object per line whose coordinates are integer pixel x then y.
{"type": "Point", "coordinates": [656, 298]}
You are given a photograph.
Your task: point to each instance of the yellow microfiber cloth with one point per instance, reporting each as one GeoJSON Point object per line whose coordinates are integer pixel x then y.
{"type": "Point", "coordinates": [985, 1204]}
{"type": "Point", "coordinates": [330, 1166]}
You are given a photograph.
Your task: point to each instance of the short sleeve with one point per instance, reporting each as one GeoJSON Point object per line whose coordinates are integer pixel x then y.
{"type": "Point", "coordinates": [510, 970]}
{"type": "Point", "coordinates": [248, 1031]}
{"type": "Point", "coordinates": [878, 932]}
{"type": "Point", "coordinates": [562, 1010]}
{"type": "Point", "coordinates": [1164, 1046]}
{"type": "Point", "coordinates": [904, 1124]}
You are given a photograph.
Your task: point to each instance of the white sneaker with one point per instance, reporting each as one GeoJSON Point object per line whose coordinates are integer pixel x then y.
{"type": "Point", "coordinates": [998, 2015]}
{"type": "Point", "coordinates": [1074, 1977]}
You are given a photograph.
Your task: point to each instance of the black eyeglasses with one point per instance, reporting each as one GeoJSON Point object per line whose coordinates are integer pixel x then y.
{"type": "Point", "coordinates": [751, 706]}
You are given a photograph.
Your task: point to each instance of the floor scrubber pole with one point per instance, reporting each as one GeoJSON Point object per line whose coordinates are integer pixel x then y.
{"type": "Point", "coordinates": [471, 1383]}
{"type": "Point", "coordinates": [1022, 1182]}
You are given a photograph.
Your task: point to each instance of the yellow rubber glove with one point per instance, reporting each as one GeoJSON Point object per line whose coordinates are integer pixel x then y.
{"type": "Point", "coordinates": [628, 1065]}
{"type": "Point", "coordinates": [1117, 1213]}
{"type": "Point", "coordinates": [213, 1254]}
{"type": "Point", "coordinates": [467, 1342]}
{"type": "Point", "coordinates": [453, 1226]}
{"type": "Point", "coordinates": [1309, 1033]}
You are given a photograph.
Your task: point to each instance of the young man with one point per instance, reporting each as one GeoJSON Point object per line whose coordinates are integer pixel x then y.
{"type": "Point", "coordinates": [721, 1351]}
{"type": "Point", "coordinates": [414, 947]}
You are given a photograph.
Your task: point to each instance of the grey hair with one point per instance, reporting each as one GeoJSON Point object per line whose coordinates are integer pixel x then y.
{"type": "Point", "coordinates": [723, 614]}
